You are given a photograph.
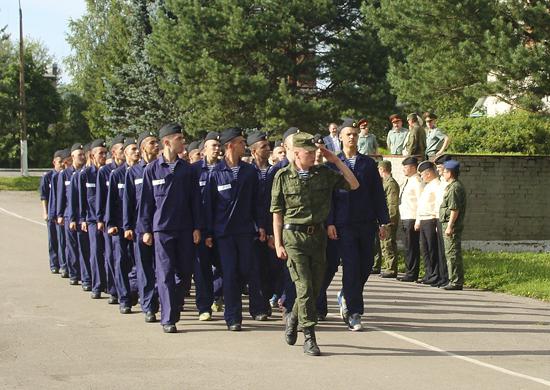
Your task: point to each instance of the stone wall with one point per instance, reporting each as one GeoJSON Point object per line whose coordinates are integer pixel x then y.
{"type": "Point", "coordinates": [508, 197]}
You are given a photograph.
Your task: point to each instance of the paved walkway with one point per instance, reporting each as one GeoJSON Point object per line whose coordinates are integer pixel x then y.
{"type": "Point", "coordinates": [53, 336]}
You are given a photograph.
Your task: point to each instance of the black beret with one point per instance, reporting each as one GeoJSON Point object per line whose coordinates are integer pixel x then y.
{"type": "Point", "coordinates": [318, 139]}
{"type": "Point", "coordinates": [426, 165]}
{"type": "Point", "coordinates": [58, 153]}
{"type": "Point", "coordinates": [87, 147]}
{"type": "Point", "coordinates": [76, 147]}
{"type": "Point", "coordinates": [96, 143]}
{"type": "Point", "coordinates": [193, 145]}
{"type": "Point", "coordinates": [442, 159]}
{"type": "Point", "coordinates": [289, 132]}
{"type": "Point", "coordinates": [143, 135]}
{"type": "Point", "coordinates": [212, 135]}
{"type": "Point", "coordinates": [348, 122]}
{"type": "Point", "coordinates": [201, 145]}
{"type": "Point", "coordinates": [129, 141]}
{"type": "Point", "coordinates": [118, 139]}
{"type": "Point", "coordinates": [169, 129]}
{"type": "Point", "coordinates": [66, 153]}
{"type": "Point", "coordinates": [410, 161]}
{"type": "Point", "coordinates": [255, 137]}
{"type": "Point", "coordinates": [230, 133]}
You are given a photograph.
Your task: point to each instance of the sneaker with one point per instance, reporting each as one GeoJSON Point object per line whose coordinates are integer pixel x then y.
{"type": "Point", "coordinates": [273, 302]}
{"type": "Point", "coordinates": [217, 306]}
{"type": "Point", "coordinates": [343, 307]}
{"type": "Point", "coordinates": [206, 316]}
{"type": "Point", "coordinates": [260, 317]}
{"type": "Point", "coordinates": [354, 322]}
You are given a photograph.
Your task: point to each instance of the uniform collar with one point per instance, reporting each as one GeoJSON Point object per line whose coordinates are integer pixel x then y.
{"type": "Point", "coordinates": [223, 165]}
{"type": "Point", "coordinates": [162, 160]}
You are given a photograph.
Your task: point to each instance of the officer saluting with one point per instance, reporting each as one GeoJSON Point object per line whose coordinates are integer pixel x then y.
{"type": "Point", "coordinates": [169, 211]}
{"type": "Point", "coordinates": [300, 204]}
{"type": "Point", "coordinates": [233, 212]}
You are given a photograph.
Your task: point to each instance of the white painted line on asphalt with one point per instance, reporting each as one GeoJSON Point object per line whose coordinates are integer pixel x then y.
{"type": "Point", "coordinates": [460, 357]}
{"type": "Point", "coordinates": [3, 210]}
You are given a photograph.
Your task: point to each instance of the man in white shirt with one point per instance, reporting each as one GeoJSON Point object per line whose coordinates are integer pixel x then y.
{"type": "Point", "coordinates": [426, 222]}
{"type": "Point", "coordinates": [408, 204]}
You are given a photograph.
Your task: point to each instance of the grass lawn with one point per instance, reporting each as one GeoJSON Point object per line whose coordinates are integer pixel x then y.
{"type": "Point", "coordinates": [523, 274]}
{"type": "Point", "coordinates": [30, 183]}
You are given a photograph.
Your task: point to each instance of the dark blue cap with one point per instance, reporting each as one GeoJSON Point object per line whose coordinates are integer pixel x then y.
{"type": "Point", "coordinates": [229, 134]}
{"type": "Point", "coordinates": [58, 153]}
{"type": "Point", "coordinates": [117, 139]}
{"type": "Point", "coordinates": [348, 122]}
{"type": "Point", "coordinates": [143, 135]}
{"type": "Point", "coordinates": [452, 165]}
{"type": "Point", "coordinates": [193, 145]}
{"type": "Point", "coordinates": [426, 165]}
{"type": "Point", "coordinates": [66, 153]}
{"type": "Point", "coordinates": [410, 161]}
{"type": "Point", "coordinates": [278, 143]}
{"type": "Point", "coordinates": [212, 135]}
{"type": "Point", "coordinates": [289, 132]}
{"type": "Point", "coordinates": [169, 129]}
{"type": "Point", "coordinates": [76, 147]}
{"type": "Point", "coordinates": [87, 147]}
{"type": "Point", "coordinates": [96, 143]}
{"type": "Point", "coordinates": [129, 141]}
{"type": "Point", "coordinates": [441, 159]}
{"type": "Point", "coordinates": [255, 137]}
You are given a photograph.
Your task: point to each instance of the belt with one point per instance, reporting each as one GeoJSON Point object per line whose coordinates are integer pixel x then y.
{"type": "Point", "coordinates": [309, 229]}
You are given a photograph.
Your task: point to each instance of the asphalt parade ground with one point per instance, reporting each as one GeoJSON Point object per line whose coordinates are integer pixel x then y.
{"type": "Point", "coordinates": [53, 336]}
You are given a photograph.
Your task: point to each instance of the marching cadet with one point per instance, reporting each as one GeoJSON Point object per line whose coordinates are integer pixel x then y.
{"type": "Point", "coordinates": [60, 191]}
{"type": "Point", "coordinates": [206, 257]}
{"type": "Point", "coordinates": [389, 244]}
{"type": "Point", "coordinates": [147, 143]}
{"type": "Point", "coordinates": [64, 209]}
{"type": "Point", "coordinates": [47, 200]}
{"type": "Point", "coordinates": [451, 215]}
{"type": "Point", "coordinates": [408, 204]}
{"type": "Point", "coordinates": [125, 275]}
{"type": "Point", "coordinates": [356, 218]}
{"type": "Point", "coordinates": [88, 217]}
{"type": "Point", "coordinates": [426, 222]}
{"type": "Point", "coordinates": [300, 204]}
{"type": "Point", "coordinates": [169, 215]}
{"type": "Point", "coordinates": [117, 156]}
{"type": "Point", "coordinates": [233, 218]}
{"type": "Point", "coordinates": [194, 152]}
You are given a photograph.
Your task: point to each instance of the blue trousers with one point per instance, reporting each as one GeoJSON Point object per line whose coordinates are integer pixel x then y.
{"type": "Point", "coordinates": [240, 266]}
{"type": "Point", "coordinates": [62, 245]}
{"type": "Point", "coordinates": [97, 261]}
{"type": "Point", "coordinates": [174, 254]}
{"type": "Point", "coordinates": [145, 274]}
{"type": "Point", "coordinates": [124, 269]}
{"type": "Point", "coordinates": [84, 256]}
{"type": "Point", "coordinates": [333, 261]}
{"type": "Point", "coordinates": [53, 244]}
{"type": "Point", "coordinates": [289, 290]}
{"type": "Point", "coordinates": [72, 252]}
{"type": "Point", "coordinates": [203, 275]}
{"type": "Point", "coordinates": [356, 249]}
{"type": "Point", "coordinates": [271, 270]}
{"type": "Point", "coordinates": [109, 264]}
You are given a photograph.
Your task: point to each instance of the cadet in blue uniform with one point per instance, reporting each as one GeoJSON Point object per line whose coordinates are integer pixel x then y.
{"type": "Point", "coordinates": [356, 217]}
{"type": "Point", "coordinates": [206, 257]}
{"type": "Point", "coordinates": [47, 200]}
{"type": "Point", "coordinates": [67, 211]}
{"type": "Point", "coordinates": [52, 212]}
{"type": "Point", "coordinates": [125, 274]}
{"type": "Point", "coordinates": [117, 155]}
{"type": "Point", "coordinates": [144, 254]}
{"type": "Point", "coordinates": [169, 211]}
{"type": "Point", "coordinates": [232, 209]}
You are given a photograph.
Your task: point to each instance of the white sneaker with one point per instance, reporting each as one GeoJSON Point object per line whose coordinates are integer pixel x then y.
{"type": "Point", "coordinates": [343, 307]}
{"type": "Point", "coordinates": [206, 316]}
{"type": "Point", "coordinates": [354, 323]}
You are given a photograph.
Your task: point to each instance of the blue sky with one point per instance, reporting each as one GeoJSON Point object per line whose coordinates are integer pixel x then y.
{"type": "Point", "coordinates": [43, 20]}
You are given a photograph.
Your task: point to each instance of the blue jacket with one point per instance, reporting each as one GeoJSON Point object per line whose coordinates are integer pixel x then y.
{"type": "Point", "coordinates": [52, 195]}
{"type": "Point", "coordinates": [63, 188]}
{"type": "Point", "coordinates": [115, 194]}
{"type": "Point", "coordinates": [45, 187]}
{"type": "Point", "coordinates": [102, 187]}
{"type": "Point", "coordinates": [366, 204]}
{"type": "Point", "coordinates": [202, 173]}
{"type": "Point", "coordinates": [233, 206]}
{"type": "Point", "coordinates": [87, 187]}
{"type": "Point", "coordinates": [133, 185]}
{"type": "Point", "coordinates": [170, 201]}
{"type": "Point", "coordinates": [74, 211]}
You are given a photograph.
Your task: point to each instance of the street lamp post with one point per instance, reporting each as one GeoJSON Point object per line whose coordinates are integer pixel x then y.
{"type": "Point", "coordinates": [22, 101]}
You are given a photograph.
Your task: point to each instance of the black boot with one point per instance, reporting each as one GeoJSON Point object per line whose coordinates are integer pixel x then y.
{"type": "Point", "coordinates": [310, 344]}
{"type": "Point", "coordinates": [291, 328]}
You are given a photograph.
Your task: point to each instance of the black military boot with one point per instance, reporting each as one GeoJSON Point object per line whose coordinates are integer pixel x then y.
{"type": "Point", "coordinates": [291, 328]}
{"type": "Point", "coordinates": [310, 344]}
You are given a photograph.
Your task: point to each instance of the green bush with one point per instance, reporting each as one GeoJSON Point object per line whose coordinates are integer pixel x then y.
{"type": "Point", "coordinates": [517, 132]}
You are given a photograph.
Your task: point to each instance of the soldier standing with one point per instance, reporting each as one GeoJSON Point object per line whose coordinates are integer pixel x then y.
{"type": "Point", "coordinates": [389, 244]}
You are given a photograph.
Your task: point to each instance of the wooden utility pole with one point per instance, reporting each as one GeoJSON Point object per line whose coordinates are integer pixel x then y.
{"type": "Point", "coordinates": [22, 101]}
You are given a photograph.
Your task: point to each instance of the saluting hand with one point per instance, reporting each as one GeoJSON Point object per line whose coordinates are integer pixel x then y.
{"type": "Point", "coordinates": [148, 239]}
{"type": "Point", "coordinates": [328, 155]}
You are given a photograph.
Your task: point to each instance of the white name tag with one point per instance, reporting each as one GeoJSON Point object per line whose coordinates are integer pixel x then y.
{"type": "Point", "coordinates": [138, 181]}
{"type": "Point", "coordinates": [90, 185]}
{"type": "Point", "coordinates": [224, 187]}
{"type": "Point", "coordinates": [107, 183]}
{"type": "Point", "coordinates": [202, 183]}
{"type": "Point", "coordinates": [120, 185]}
{"type": "Point", "coordinates": [49, 185]}
{"type": "Point", "coordinates": [158, 182]}
{"type": "Point", "coordinates": [67, 182]}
